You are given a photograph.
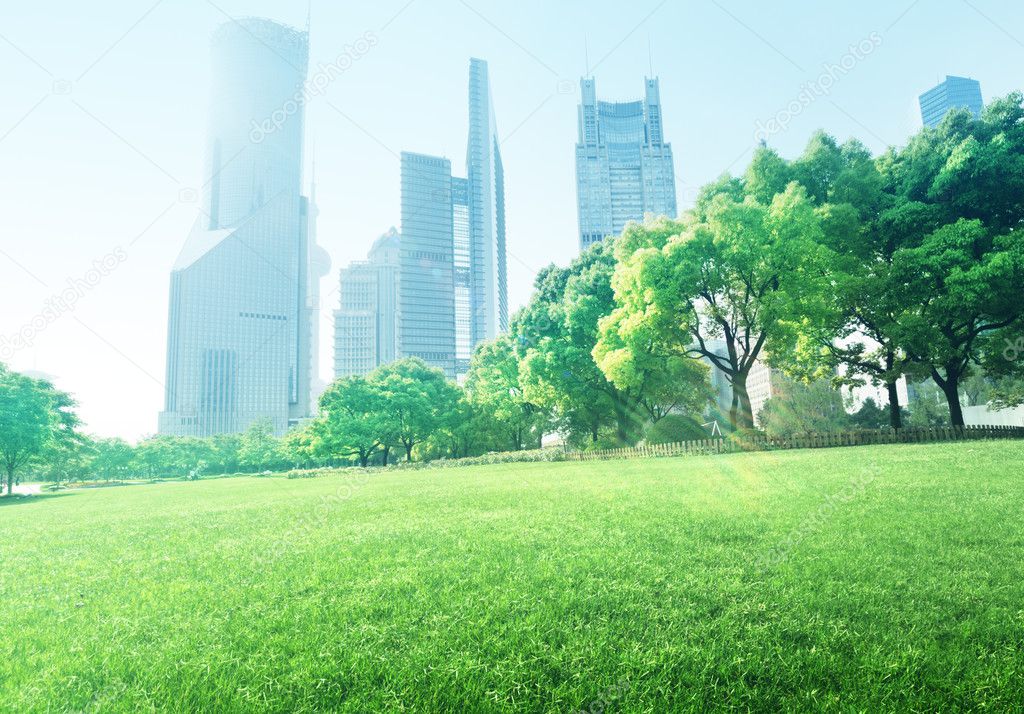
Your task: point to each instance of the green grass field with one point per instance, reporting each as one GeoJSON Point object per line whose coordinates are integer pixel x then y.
{"type": "Point", "coordinates": [867, 579]}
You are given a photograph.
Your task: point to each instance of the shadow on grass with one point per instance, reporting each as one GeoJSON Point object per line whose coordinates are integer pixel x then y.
{"type": "Point", "coordinates": [20, 500]}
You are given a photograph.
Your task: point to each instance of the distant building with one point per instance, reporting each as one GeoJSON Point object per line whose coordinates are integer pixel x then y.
{"type": "Point", "coordinates": [427, 287]}
{"type": "Point", "coordinates": [366, 324]}
{"type": "Point", "coordinates": [762, 384]}
{"type": "Point", "coordinates": [241, 342]}
{"type": "Point", "coordinates": [453, 293]}
{"type": "Point", "coordinates": [953, 93]}
{"type": "Point", "coordinates": [624, 167]}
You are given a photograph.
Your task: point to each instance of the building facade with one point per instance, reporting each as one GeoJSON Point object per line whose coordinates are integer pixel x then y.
{"type": "Point", "coordinates": [366, 324]}
{"type": "Point", "coordinates": [427, 287]}
{"type": "Point", "coordinates": [624, 167]}
{"type": "Point", "coordinates": [953, 93]}
{"type": "Point", "coordinates": [242, 316]}
{"type": "Point", "coordinates": [454, 286]}
{"type": "Point", "coordinates": [485, 184]}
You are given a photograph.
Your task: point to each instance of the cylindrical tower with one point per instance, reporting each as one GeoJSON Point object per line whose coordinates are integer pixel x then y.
{"type": "Point", "coordinates": [256, 118]}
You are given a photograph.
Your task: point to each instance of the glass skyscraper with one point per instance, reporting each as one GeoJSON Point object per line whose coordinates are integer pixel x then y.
{"type": "Point", "coordinates": [453, 292]}
{"type": "Point", "coordinates": [953, 93]}
{"type": "Point", "coordinates": [241, 326]}
{"type": "Point", "coordinates": [366, 323]}
{"type": "Point", "coordinates": [624, 168]}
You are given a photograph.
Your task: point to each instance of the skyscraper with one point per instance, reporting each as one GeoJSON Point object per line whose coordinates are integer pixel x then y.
{"type": "Point", "coordinates": [486, 187]}
{"type": "Point", "coordinates": [427, 287]}
{"type": "Point", "coordinates": [366, 323]}
{"type": "Point", "coordinates": [454, 268]}
{"type": "Point", "coordinates": [953, 93]}
{"type": "Point", "coordinates": [624, 168]}
{"type": "Point", "coordinates": [241, 325]}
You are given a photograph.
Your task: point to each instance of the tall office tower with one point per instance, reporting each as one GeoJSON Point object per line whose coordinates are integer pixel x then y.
{"type": "Point", "coordinates": [486, 186]}
{"type": "Point", "coordinates": [427, 286]}
{"type": "Point", "coordinates": [241, 326]}
{"type": "Point", "coordinates": [954, 93]}
{"type": "Point", "coordinates": [366, 323]}
{"type": "Point", "coordinates": [463, 267]}
{"type": "Point", "coordinates": [624, 168]}
{"type": "Point", "coordinates": [454, 291]}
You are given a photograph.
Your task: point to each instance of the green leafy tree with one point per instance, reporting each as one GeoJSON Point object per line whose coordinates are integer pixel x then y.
{"type": "Point", "coordinates": [34, 417]}
{"type": "Point", "coordinates": [719, 283]}
{"type": "Point", "coordinates": [961, 278]}
{"type": "Point", "coordinates": [587, 373]}
{"type": "Point", "coordinates": [418, 400]}
{"type": "Point", "coordinates": [66, 460]}
{"type": "Point", "coordinates": [845, 332]}
{"type": "Point", "coordinates": [503, 414]}
{"type": "Point", "coordinates": [113, 459]}
{"type": "Point", "coordinates": [260, 449]}
{"type": "Point", "coordinates": [964, 283]}
{"type": "Point", "coordinates": [352, 420]}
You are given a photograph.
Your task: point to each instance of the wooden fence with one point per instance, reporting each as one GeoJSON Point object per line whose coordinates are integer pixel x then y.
{"type": "Point", "coordinates": [866, 437]}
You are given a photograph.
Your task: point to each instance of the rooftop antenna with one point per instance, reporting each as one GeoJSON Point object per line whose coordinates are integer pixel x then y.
{"type": "Point", "coordinates": [650, 56]}
{"type": "Point", "coordinates": [309, 14]}
{"type": "Point", "coordinates": [586, 56]}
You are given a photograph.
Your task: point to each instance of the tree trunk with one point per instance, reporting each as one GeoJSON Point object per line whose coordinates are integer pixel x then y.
{"type": "Point", "coordinates": [387, 453]}
{"type": "Point", "coordinates": [621, 424]}
{"type": "Point", "coordinates": [742, 414]}
{"type": "Point", "coordinates": [895, 415]}
{"type": "Point", "coordinates": [952, 391]}
{"type": "Point", "coordinates": [408, 451]}
{"type": "Point", "coordinates": [950, 386]}
{"type": "Point", "coordinates": [364, 458]}
{"type": "Point", "coordinates": [10, 480]}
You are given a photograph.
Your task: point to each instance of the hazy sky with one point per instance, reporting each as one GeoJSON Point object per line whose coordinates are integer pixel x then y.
{"type": "Point", "coordinates": [102, 131]}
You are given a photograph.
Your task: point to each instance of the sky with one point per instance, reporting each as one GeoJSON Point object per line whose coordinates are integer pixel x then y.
{"type": "Point", "coordinates": [103, 119]}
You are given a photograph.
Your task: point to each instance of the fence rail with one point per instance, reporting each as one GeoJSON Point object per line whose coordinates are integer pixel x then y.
{"type": "Point", "coordinates": [824, 440]}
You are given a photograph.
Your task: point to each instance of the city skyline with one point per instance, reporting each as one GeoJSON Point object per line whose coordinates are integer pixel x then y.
{"type": "Point", "coordinates": [80, 160]}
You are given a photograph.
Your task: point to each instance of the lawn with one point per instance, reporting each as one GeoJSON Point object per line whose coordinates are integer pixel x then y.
{"type": "Point", "coordinates": [878, 579]}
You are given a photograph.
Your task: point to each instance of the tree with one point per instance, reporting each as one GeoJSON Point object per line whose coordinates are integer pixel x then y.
{"type": "Point", "coordinates": [717, 284]}
{"type": "Point", "coordinates": [352, 420]}
{"type": "Point", "coordinates": [34, 416]}
{"type": "Point", "coordinates": [870, 416]}
{"type": "Point", "coordinates": [570, 364]}
{"type": "Point", "coordinates": [961, 278]}
{"type": "Point", "coordinates": [260, 449]}
{"type": "Point", "coordinates": [965, 282]}
{"type": "Point", "coordinates": [68, 459]}
{"type": "Point", "coordinates": [417, 397]}
{"type": "Point", "coordinates": [113, 459]}
{"type": "Point", "coordinates": [845, 332]}
{"type": "Point", "coordinates": [494, 389]}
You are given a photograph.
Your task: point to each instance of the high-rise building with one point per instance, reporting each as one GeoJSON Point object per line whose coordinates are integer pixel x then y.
{"type": "Point", "coordinates": [953, 93]}
{"type": "Point", "coordinates": [486, 201]}
{"type": "Point", "coordinates": [624, 167]}
{"type": "Point", "coordinates": [453, 291]}
{"type": "Point", "coordinates": [241, 327]}
{"type": "Point", "coordinates": [366, 323]}
{"type": "Point", "coordinates": [427, 287]}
